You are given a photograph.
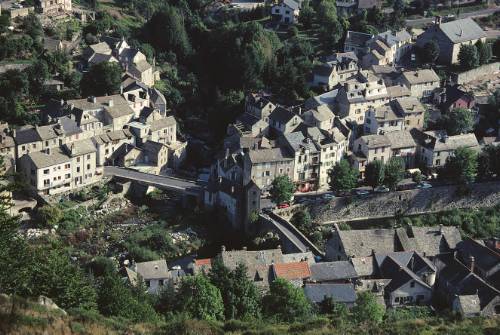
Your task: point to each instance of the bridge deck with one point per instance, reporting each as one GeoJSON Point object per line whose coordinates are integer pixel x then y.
{"type": "Point", "coordinates": [155, 180]}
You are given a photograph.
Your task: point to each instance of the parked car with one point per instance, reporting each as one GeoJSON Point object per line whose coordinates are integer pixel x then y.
{"type": "Point", "coordinates": [361, 192]}
{"type": "Point", "coordinates": [327, 196]}
{"type": "Point", "coordinates": [424, 185]}
{"type": "Point", "coordinates": [381, 189]}
{"type": "Point", "coordinates": [283, 205]}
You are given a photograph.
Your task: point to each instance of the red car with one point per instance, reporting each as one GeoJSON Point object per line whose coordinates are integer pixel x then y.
{"type": "Point", "coordinates": [283, 205]}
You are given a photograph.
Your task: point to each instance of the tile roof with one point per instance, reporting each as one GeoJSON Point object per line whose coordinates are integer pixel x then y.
{"type": "Point", "coordinates": [329, 271]}
{"type": "Point", "coordinates": [343, 293]}
{"type": "Point", "coordinates": [291, 271]}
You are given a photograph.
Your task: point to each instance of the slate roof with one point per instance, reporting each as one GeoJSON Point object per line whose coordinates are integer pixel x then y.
{"type": "Point", "coordinates": [330, 271]}
{"type": "Point", "coordinates": [43, 160]}
{"type": "Point", "coordinates": [142, 66]}
{"type": "Point", "coordinates": [368, 4]}
{"type": "Point", "coordinates": [343, 293]}
{"type": "Point", "coordinates": [420, 76]}
{"type": "Point", "coordinates": [401, 139]}
{"type": "Point", "coordinates": [364, 266]}
{"type": "Point", "coordinates": [358, 39]}
{"type": "Point", "coordinates": [282, 115]}
{"type": "Point", "coordinates": [79, 148]}
{"type": "Point", "coordinates": [437, 140]}
{"type": "Point", "coordinates": [269, 155]}
{"type": "Point", "coordinates": [153, 269]}
{"type": "Point", "coordinates": [398, 91]}
{"type": "Point", "coordinates": [429, 241]}
{"type": "Point", "coordinates": [27, 135]}
{"type": "Point", "coordinates": [292, 4]}
{"type": "Point", "coordinates": [322, 113]}
{"type": "Point", "coordinates": [101, 102]}
{"type": "Point", "coordinates": [393, 38]}
{"type": "Point", "coordinates": [231, 259]}
{"type": "Point", "coordinates": [400, 275]}
{"type": "Point", "coordinates": [469, 304]}
{"type": "Point", "coordinates": [299, 257]}
{"type": "Point", "coordinates": [163, 123]}
{"type": "Point", "coordinates": [298, 141]}
{"type": "Point", "coordinates": [69, 126]}
{"type": "Point", "coordinates": [485, 258]}
{"type": "Point", "coordinates": [292, 271]}
{"type": "Point", "coordinates": [376, 141]}
{"type": "Point", "coordinates": [152, 147]}
{"type": "Point", "coordinates": [363, 242]}
{"type": "Point", "coordinates": [386, 113]}
{"type": "Point", "coordinates": [409, 105]}
{"type": "Point", "coordinates": [462, 30]}
{"type": "Point", "coordinates": [323, 70]}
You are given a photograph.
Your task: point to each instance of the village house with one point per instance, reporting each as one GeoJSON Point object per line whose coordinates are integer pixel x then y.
{"type": "Point", "coordinates": [403, 145]}
{"type": "Point", "coordinates": [7, 144]}
{"type": "Point", "coordinates": [382, 120]}
{"type": "Point", "coordinates": [412, 110]}
{"type": "Point", "coordinates": [357, 43]}
{"type": "Point", "coordinates": [154, 274]}
{"type": "Point", "coordinates": [259, 105]}
{"type": "Point", "coordinates": [321, 117]}
{"type": "Point", "coordinates": [370, 148]}
{"type": "Point", "coordinates": [421, 83]}
{"type": "Point", "coordinates": [294, 272]}
{"type": "Point", "coordinates": [450, 36]}
{"type": "Point", "coordinates": [283, 121]}
{"type": "Point", "coordinates": [83, 163]}
{"type": "Point", "coordinates": [335, 69]}
{"type": "Point", "coordinates": [333, 146]}
{"type": "Point", "coordinates": [339, 293]}
{"type": "Point", "coordinates": [53, 7]}
{"type": "Point", "coordinates": [428, 241]}
{"type": "Point", "coordinates": [332, 272]}
{"type": "Point", "coordinates": [109, 142]}
{"type": "Point", "coordinates": [38, 138]}
{"type": "Point", "coordinates": [387, 48]}
{"type": "Point", "coordinates": [286, 11]}
{"type": "Point", "coordinates": [357, 95]}
{"type": "Point", "coordinates": [451, 97]}
{"type": "Point", "coordinates": [263, 165]}
{"type": "Point", "coordinates": [434, 147]}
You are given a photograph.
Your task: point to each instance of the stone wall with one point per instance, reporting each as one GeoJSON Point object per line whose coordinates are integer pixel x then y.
{"type": "Point", "coordinates": [409, 202]}
{"type": "Point", "coordinates": [474, 74]}
{"type": "Point", "coordinates": [20, 12]}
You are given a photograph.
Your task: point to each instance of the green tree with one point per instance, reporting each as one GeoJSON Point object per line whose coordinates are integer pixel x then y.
{"type": "Point", "coordinates": [343, 177]}
{"type": "Point", "coordinates": [468, 57]}
{"type": "Point", "coordinates": [417, 177]}
{"type": "Point", "coordinates": [102, 79]}
{"type": "Point", "coordinates": [458, 121]}
{"type": "Point", "coordinates": [394, 172]}
{"type": "Point", "coordinates": [374, 173]}
{"type": "Point", "coordinates": [116, 298]}
{"type": "Point", "coordinates": [282, 189]}
{"type": "Point", "coordinates": [240, 296]}
{"type": "Point", "coordinates": [200, 299]}
{"type": "Point", "coordinates": [50, 215]}
{"type": "Point", "coordinates": [303, 221]}
{"type": "Point", "coordinates": [462, 166]}
{"type": "Point", "coordinates": [429, 53]}
{"type": "Point", "coordinates": [367, 309]}
{"type": "Point", "coordinates": [307, 15]}
{"type": "Point", "coordinates": [166, 31]}
{"type": "Point", "coordinates": [484, 52]}
{"type": "Point", "coordinates": [286, 302]}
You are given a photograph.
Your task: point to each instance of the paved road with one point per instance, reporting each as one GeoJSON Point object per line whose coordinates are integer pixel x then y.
{"type": "Point", "coordinates": [165, 181]}
{"type": "Point", "coordinates": [301, 247]}
{"type": "Point", "coordinates": [426, 20]}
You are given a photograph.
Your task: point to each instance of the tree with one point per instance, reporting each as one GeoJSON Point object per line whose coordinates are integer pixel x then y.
{"type": "Point", "coordinates": [394, 172]}
{"type": "Point", "coordinates": [102, 79]}
{"type": "Point", "coordinates": [484, 52]}
{"type": "Point", "coordinates": [429, 53]}
{"type": "Point", "coordinates": [417, 177]}
{"type": "Point", "coordinates": [302, 220]}
{"type": "Point", "coordinates": [286, 302]}
{"type": "Point", "coordinates": [462, 166]}
{"type": "Point", "coordinates": [50, 215]}
{"type": "Point", "coordinates": [282, 189]}
{"type": "Point", "coordinates": [367, 309]}
{"type": "Point", "coordinates": [468, 57]}
{"type": "Point", "coordinates": [240, 296]}
{"type": "Point", "coordinates": [374, 173]}
{"type": "Point", "coordinates": [343, 177]}
{"type": "Point", "coordinates": [337, 310]}
{"type": "Point", "coordinates": [307, 15]}
{"type": "Point", "coordinates": [200, 299]}
{"type": "Point", "coordinates": [458, 121]}
{"type": "Point", "coordinates": [116, 298]}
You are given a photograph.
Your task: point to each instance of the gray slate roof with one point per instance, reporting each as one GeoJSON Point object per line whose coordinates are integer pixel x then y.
{"type": "Point", "coordinates": [343, 293]}
{"type": "Point", "coordinates": [43, 160]}
{"type": "Point", "coordinates": [282, 115]}
{"type": "Point", "coordinates": [269, 155]}
{"type": "Point", "coordinates": [153, 269]}
{"type": "Point", "coordinates": [329, 271]}
{"type": "Point", "coordinates": [462, 30]}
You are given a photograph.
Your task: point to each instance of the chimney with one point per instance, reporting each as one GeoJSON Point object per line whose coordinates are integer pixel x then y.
{"type": "Point", "coordinates": [111, 103]}
{"type": "Point", "coordinates": [244, 248]}
{"type": "Point", "coordinates": [472, 263]}
{"type": "Point", "coordinates": [440, 229]}
{"type": "Point", "coordinates": [223, 248]}
{"type": "Point", "coordinates": [121, 89]}
{"type": "Point", "coordinates": [62, 102]}
{"type": "Point", "coordinates": [93, 99]}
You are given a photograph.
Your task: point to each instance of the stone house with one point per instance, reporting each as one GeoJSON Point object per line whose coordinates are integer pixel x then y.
{"type": "Point", "coordinates": [452, 97]}
{"type": "Point", "coordinates": [286, 11]}
{"type": "Point", "coordinates": [83, 163]}
{"type": "Point", "coordinates": [263, 165]}
{"type": "Point", "coordinates": [450, 36]}
{"type": "Point", "coordinates": [294, 272]}
{"type": "Point", "coordinates": [53, 7]}
{"type": "Point", "coordinates": [382, 120]}
{"type": "Point", "coordinates": [403, 145]}
{"type": "Point", "coordinates": [259, 105]}
{"type": "Point", "coordinates": [357, 43]}
{"type": "Point", "coordinates": [421, 83]}
{"type": "Point", "coordinates": [332, 272]}
{"type": "Point", "coordinates": [339, 293]}
{"type": "Point", "coordinates": [412, 110]}
{"type": "Point", "coordinates": [107, 143]}
{"type": "Point", "coordinates": [387, 48]}
{"type": "Point", "coordinates": [321, 117]}
{"type": "Point", "coordinates": [370, 148]}
{"type": "Point", "coordinates": [335, 69]}
{"type": "Point", "coordinates": [434, 147]}
{"type": "Point", "coordinates": [283, 121]}
{"type": "Point", "coordinates": [154, 274]}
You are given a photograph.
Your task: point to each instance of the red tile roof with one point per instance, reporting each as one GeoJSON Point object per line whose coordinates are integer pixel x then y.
{"type": "Point", "coordinates": [203, 261]}
{"type": "Point", "coordinates": [290, 271]}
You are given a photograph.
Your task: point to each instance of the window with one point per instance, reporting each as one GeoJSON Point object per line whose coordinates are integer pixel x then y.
{"type": "Point", "coordinates": [412, 284]}
{"type": "Point", "coordinates": [88, 156]}
{"type": "Point", "coordinates": [148, 283]}
{"type": "Point", "coordinates": [78, 159]}
{"type": "Point", "coordinates": [88, 166]}
{"type": "Point", "coordinates": [46, 171]}
{"type": "Point", "coordinates": [438, 162]}
{"type": "Point", "coordinates": [78, 169]}
{"type": "Point", "coordinates": [46, 182]}
{"type": "Point", "coordinates": [160, 282]}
